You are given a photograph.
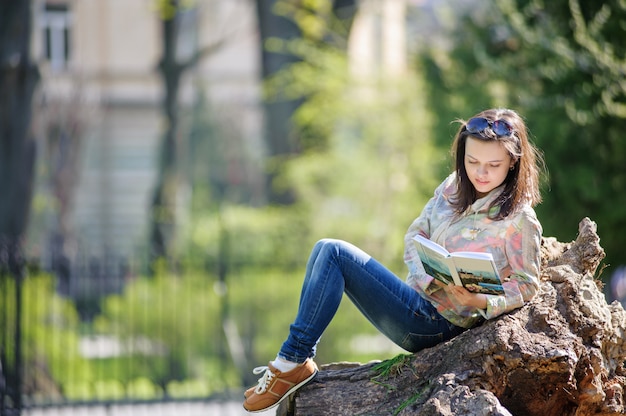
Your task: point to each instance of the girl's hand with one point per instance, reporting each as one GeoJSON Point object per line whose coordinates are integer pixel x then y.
{"type": "Point", "coordinates": [466, 298]}
{"type": "Point", "coordinates": [439, 283]}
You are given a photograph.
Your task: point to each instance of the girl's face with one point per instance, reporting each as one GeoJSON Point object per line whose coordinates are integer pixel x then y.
{"type": "Point", "coordinates": [487, 163]}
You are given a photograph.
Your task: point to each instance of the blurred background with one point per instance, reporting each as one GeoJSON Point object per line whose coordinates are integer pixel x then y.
{"type": "Point", "coordinates": [167, 165]}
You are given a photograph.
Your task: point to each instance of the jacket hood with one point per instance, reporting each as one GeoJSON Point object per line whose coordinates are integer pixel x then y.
{"type": "Point", "coordinates": [482, 204]}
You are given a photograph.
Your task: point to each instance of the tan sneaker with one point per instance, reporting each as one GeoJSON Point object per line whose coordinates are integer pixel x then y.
{"type": "Point", "coordinates": [275, 386]}
{"type": "Point", "coordinates": [249, 392]}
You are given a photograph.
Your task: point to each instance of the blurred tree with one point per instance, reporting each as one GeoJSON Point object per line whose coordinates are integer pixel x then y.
{"type": "Point", "coordinates": [63, 125]}
{"type": "Point", "coordinates": [275, 23]}
{"type": "Point", "coordinates": [51, 340]}
{"type": "Point", "coordinates": [567, 60]}
{"type": "Point", "coordinates": [282, 21]}
{"type": "Point", "coordinates": [163, 210]}
{"type": "Point", "coordinates": [366, 166]}
{"type": "Point", "coordinates": [178, 18]}
{"type": "Point", "coordinates": [561, 65]}
{"type": "Point", "coordinates": [222, 166]}
{"type": "Point", "coordinates": [370, 164]}
{"type": "Point", "coordinates": [18, 79]}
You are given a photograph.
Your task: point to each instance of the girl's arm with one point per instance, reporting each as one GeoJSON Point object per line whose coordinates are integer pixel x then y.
{"type": "Point", "coordinates": [421, 225]}
{"type": "Point", "coordinates": [523, 250]}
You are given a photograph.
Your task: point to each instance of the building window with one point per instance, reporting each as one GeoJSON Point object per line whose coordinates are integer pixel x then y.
{"type": "Point", "coordinates": [56, 32]}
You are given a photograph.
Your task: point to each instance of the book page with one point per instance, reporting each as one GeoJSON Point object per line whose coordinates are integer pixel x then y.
{"type": "Point", "coordinates": [476, 271]}
{"type": "Point", "coordinates": [473, 255]}
{"type": "Point", "coordinates": [432, 245]}
{"type": "Point", "coordinates": [436, 263]}
{"type": "Point", "coordinates": [478, 275]}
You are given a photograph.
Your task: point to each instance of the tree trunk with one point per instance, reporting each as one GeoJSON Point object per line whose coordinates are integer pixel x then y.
{"type": "Point", "coordinates": [18, 79]}
{"type": "Point", "coordinates": [278, 131]}
{"type": "Point", "coordinates": [163, 209]}
{"type": "Point", "coordinates": [562, 354]}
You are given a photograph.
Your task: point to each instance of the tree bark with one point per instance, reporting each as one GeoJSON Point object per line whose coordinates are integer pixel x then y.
{"type": "Point", "coordinates": [18, 79]}
{"type": "Point", "coordinates": [163, 209]}
{"type": "Point", "coordinates": [561, 354]}
{"type": "Point", "coordinates": [278, 128]}
{"type": "Point", "coordinates": [171, 68]}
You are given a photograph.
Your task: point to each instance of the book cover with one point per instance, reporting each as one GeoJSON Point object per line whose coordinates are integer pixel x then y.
{"type": "Point", "coordinates": [475, 271]}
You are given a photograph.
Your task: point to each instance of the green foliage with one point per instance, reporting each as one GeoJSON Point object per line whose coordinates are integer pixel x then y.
{"type": "Point", "coordinates": [264, 304]}
{"type": "Point", "coordinates": [369, 164]}
{"type": "Point", "coordinates": [50, 331]}
{"type": "Point", "coordinates": [222, 166]}
{"type": "Point", "coordinates": [392, 366]}
{"type": "Point", "coordinates": [239, 236]}
{"type": "Point", "coordinates": [315, 19]}
{"type": "Point", "coordinates": [55, 368]}
{"type": "Point", "coordinates": [366, 168]}
{"type": "Point", "coordinates": [579, 111]}
{"type": "Point", "coordinates": [167, 327]}
{"type": "Point", "coordinates": [263, 260]}
{"type": "Point", "coordinates": [560, 64]}
{"type": "Point", "coordinates": [408, 402]}
{"type": "Point", "coordinates": [167, 9]}
{"type": "Point", "coordinates": [373, 147]}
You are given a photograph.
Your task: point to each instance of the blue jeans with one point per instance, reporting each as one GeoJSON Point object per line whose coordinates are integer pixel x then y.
{"type": "Point", "coordinates": [396, 309]}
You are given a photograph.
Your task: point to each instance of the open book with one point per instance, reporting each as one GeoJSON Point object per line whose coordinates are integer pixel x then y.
{"type": "Point", "coordinates": [475, 271]}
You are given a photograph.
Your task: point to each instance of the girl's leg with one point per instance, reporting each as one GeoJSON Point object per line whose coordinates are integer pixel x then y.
{"type": "Point", "coordinates": [395, 308]}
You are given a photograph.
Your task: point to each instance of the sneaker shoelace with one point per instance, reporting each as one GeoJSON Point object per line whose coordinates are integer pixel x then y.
{"type": "Point", "coordinates": [264, 381]}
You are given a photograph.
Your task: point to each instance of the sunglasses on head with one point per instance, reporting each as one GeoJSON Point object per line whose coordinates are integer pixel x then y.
{"type": "Point", "coordinates": [480, 124]}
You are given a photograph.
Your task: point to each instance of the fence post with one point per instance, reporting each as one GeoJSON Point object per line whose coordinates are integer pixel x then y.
{"type": "Point", "coordinates": [11, 265]}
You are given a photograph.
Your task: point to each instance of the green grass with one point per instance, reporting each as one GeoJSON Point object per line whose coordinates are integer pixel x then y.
{"type": "Point", "coordinates": [393, 367]}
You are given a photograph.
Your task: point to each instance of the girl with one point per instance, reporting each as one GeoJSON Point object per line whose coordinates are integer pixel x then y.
{"type": "Point", "coordinates": [486, 205]}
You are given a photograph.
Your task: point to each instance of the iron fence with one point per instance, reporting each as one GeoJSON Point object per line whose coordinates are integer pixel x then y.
{"type": "Point", "coordinates": [50, 330]}
{"type": "Point", "coordinates": [11, 277]}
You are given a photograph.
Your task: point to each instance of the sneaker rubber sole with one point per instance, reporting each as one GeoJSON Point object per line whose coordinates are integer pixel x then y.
{"type": "Point", "coordinates": [287, 394]}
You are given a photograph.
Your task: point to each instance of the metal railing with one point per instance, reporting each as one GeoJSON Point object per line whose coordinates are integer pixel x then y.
{"type": "Point", "coordinates": [11, 278]}
{"type": "Point", "coordinates": [36, 341]}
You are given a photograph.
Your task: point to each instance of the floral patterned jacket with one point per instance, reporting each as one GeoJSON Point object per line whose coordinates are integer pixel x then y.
{"type": "Point", "coordinates": [514, 243]}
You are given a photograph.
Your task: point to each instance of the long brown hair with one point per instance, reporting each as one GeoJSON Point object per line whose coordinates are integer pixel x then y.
{"type": "Point", "coordinates": [521, 185]}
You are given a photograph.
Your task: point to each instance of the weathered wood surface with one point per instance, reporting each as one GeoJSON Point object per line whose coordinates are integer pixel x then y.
{"type": "Point", "coordinates": [562, 354]}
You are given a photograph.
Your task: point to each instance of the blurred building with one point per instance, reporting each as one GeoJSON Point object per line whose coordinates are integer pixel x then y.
{"type": "Point", "coordinates": [100, 119]}
{"type": "Point", "coordinates": [99, 114]}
